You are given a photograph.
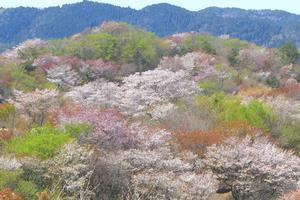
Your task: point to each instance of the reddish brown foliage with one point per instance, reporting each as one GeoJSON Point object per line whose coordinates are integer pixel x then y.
{"type": "Point", "coordinates": [198, 141]}
{"type": "Point", "coordinates": [253, 91]}
{"type": "Point", "coordinates": [8, 194]}
{"type": "Point", "coordinates": [5, 134]}
{"type": "Point", "coordinates": [290, 90]}
{"type": "Point", "coordinates": [5, 78]}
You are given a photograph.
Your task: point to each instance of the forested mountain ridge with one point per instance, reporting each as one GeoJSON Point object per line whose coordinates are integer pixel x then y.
{"type": "Point", "coordinates": [264, 27]}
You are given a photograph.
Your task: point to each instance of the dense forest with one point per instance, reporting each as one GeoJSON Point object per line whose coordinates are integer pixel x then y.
{"type": "Point", "coordinates": [263, 27]}
{"type": "Point", "coordinates": [116, 112]}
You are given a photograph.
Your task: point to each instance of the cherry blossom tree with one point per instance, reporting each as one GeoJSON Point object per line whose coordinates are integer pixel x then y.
{"type": "Point", "coordinates": [72, 168]}
{"type": "Point", "coordinates": [287, 109]}
{"type": "Point", "coordinates": [169, 185]}
{"type": "Point", "coordinates": [153, 172]}
{"type": "Point", "coordinates": [63, 71]}
{"type": "Point", "coordinates": [71, 71]}
{"type": "Point", "coordinates": [98, 93]}
{"type": "Point", "coordinates": [257, 59]}
{"type": "Point", "coordinates": [199, 64]}
{"type": "Point", "coordinates": [109, 128]}
{"type": "Point", "coordinates": [35, 104]}
{"type": "Point", "coordinates": [173, 63]}
{"type": "Point", "coordinates": [139, 93]}
{"type": "Point", "coordinates": [63, 75]}
{"type": "Point", "coordinates": [130, 158]}
{"type": "Point", "coordinates": [102, 69]}
{"type": "Point", "coordinates": [254, 169]}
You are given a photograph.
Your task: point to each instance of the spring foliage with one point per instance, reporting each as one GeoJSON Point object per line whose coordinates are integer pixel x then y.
{"type": "Point", "coordinates": [228, 109]}
{"type": "Point", "coordinates": [43, 142]}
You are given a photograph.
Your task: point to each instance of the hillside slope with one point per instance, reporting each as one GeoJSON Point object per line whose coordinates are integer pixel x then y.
{"type": "Point", "coordinates": [117, 112]}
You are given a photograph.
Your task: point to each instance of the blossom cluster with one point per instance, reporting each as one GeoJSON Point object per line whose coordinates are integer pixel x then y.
{"type": "Point", "coordinates": [286, 108]}
{"type": "Point", "coordinates": [72, 168]}
{"type": "Point", "coordinates": [138, 93]}
{"type": "Point", "coordinates": [34, 102]}
{"type": "Point", "coordinates": [200, 65]}
{"type": "Point", "coordinates": [254, 165]}
{"type": "Point", "coordinates": [9, 163]}
{"type": "Point", "coordinates": [72, 71]}
{"type": "Point", "coordinates": [157, 172]}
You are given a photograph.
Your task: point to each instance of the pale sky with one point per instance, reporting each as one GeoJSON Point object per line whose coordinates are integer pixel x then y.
{"type": "Point", "coordinates": [288, 5]}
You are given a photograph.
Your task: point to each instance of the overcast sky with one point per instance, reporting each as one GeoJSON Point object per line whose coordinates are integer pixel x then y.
{"type": "Point", "coordinates": [288, 5]}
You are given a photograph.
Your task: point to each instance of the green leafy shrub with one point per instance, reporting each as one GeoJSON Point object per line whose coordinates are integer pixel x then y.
{"type": "Point", "coordinates": [78, 129]}
{"type": "Point", "coordinates": [9, 178]}
{"type": "Point", "coordinates": [229, 108]}
{"type": "Point", "coordinates": [13, 76]}
{"type": "Point", "coordinates": [198, 42]}
{"type": "Point", "coordinates": [289, 53]}
{"type": "Point", "coordinates": [132, 46]}
{"type": "Point", "coordinates": [205, 112]}
{"type": "Point", "coordinates": [273, 82]}
{"type": "Point", "coordinates": [27, 188]}
{"type": "Point", "coordinates": [214, 84]}
{"type": "Point", "coordinates": [232, 43]}
{"type": "Point", "coordinates": [207, 47]}
{"type": "Point", "coordinates": [28, 55]}
{"type": "Point", "coordinates": [43, 142]}
{"type": "Point", "coordinates": [232, 56]}
{"type": "Point", "coordinates": [209, 86]}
